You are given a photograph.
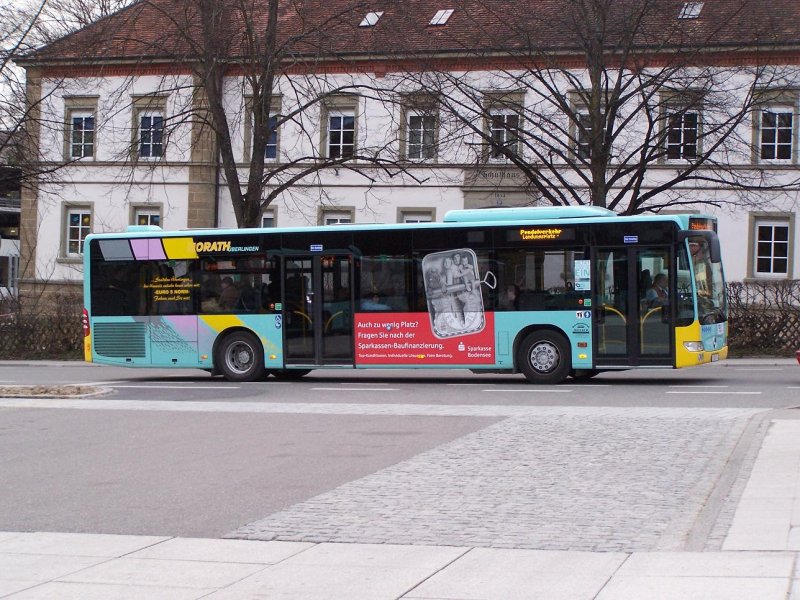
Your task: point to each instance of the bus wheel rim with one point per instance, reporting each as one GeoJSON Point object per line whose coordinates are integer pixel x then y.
{"type": "Point", "coordinates": [239, 357]}
{"type": "Point", "coordinates": [544, 357]}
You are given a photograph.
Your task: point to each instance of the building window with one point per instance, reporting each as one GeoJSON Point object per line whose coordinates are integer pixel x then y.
{"type": "Point", "coordinates": [416, 216]}
{"type": "Point", "coordinates": [777, 133]}
{"type": "Point", "coordinates": [81, 134]}
{"type": "Point", "coordinates": [371, 19]}
{"type": "Point", "coordinates": [273, 118]}
{"type": "Point", "coordinates": [336, 217]}
{"type": "Point", "coordinates": [143, 216]}
{"type": "Point", "coordinates": [691, 10]}
{"type": "Point", "coordinates": [421, 137]}
{"type": "Point", "coordinates": [341, 134]}
{"type": "Point", "coordinates": [682, 133]}
{"type": "Point", "coordinates": [441, 17]}
{"type": "Point", "coordinates": [151, 134]}
{"type": "Point", "coordinates": [772, 241]}
{"type": "Point", "coordinates": [271, 147]}
{"type": "Point", "coordinates": [583, 135]}
{"type": "Point", "coordinates": [80, 127]}
{"type": "Point", "coordinates": [79, 225]}
{"type": "Point", "coordinates": [268, 218]}
{"type": "Point", "coordinates": [504, 132]}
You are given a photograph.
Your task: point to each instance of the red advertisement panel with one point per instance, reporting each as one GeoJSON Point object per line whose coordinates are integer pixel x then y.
{"type": "Point", "coordinates": [407, 339]}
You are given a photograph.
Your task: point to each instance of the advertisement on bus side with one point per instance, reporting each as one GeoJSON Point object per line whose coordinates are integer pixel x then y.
{"type": "Point", "coordinates": [457, 329]}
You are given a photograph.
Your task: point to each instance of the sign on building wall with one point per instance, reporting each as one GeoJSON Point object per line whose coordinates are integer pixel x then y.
{"type": "Point", "coordinates": [486, 187]}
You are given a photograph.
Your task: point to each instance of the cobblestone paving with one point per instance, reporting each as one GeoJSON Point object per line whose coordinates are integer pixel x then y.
{"type": "Point", "coordinates": [556, 478]}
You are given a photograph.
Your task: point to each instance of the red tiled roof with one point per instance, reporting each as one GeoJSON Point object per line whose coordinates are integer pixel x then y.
{"type": "Point", "coordinates": [155, 29]}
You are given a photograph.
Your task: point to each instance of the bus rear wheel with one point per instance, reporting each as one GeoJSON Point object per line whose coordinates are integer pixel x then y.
{"type": "Point", "coordinates": [544, 357]}
{"type": "Point", "coordinates": [240, 357]}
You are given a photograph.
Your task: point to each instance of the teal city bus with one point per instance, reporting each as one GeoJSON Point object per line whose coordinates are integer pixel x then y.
{"type": "Point", "coordinates": [546, 292]}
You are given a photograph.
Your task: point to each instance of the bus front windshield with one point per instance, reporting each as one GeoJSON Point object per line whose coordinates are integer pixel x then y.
{"type": "Point", "coordinates": [709, 283]}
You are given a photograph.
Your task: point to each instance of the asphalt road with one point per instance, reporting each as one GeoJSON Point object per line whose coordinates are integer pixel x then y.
{"type": "Point", "coordinates": [181, 453]}
{"type": "Point", "coordinates": [734, 383]}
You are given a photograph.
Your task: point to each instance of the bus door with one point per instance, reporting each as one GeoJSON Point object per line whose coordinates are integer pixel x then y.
{"type": "Point", "coordinates": [633, 314]}
{"type": "Point", "coordinates": [318, 309]}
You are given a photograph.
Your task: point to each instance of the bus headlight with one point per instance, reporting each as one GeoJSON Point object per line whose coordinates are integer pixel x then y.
{"type": "Point", "coordinates": [693, 346]}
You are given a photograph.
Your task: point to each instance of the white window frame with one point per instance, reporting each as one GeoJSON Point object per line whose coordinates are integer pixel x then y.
{"type": "Point", "coordinates": [329, 145]}
{"type": "Point", "coordinates": [494, 152]}
{"type": "Point", "coordinates": [149, 213]}
{"type": "Point", "coordinates": [274, 143]}
{"type": "Point", "coordinates": [76, 233]}
{"type": "Point", "coordinates": [421, 151]}
{"type": "Point", "coordinates": [776, 109]}
{"type": "Point", "coordinates": [269, 214]}
{"type": "Point", "coordinates": [757, 244]}
{"type": "Point", "coordinates": [683, 131]}
{"type": "Point", "coordinates": [583, 144]}
{"type": "Point", "coordinates": [143, 114]}
{"type": "Point", "coordinates": [336, 216]}
{"type": "Point", "coordinates": [83, 115]}
{"type": "Point", "coordinates": [418, 215]}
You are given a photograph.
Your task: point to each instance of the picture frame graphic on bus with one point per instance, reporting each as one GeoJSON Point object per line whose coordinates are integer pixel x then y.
{"type": "Point", "coordinates": [453, 292]}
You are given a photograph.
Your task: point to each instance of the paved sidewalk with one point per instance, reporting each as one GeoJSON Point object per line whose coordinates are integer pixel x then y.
{"type": "Point", "coordinates": [759, 560]}
{"type": "Point", "coordinates": [85, 567]}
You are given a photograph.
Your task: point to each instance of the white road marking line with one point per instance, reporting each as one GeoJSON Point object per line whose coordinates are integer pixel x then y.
{"type": "Point", "coordinates": [344, 389]}
{"type": "Point", "coordinates": [95, 383]}
{"type": "Point", "coordinates": [358, 408]}
{"type": "Point", "coordinates": [177, 387]}
{"type": "Point", "coordinates": [583, 385]}
{"type": "Point", "coordinates": [531, 391]}
{"type": "Point", "coordinates": [699, 386]}
{"type": "Point", "coordinates": [711, 392]}
{"type": "Point", "coordinates": [756, 369]}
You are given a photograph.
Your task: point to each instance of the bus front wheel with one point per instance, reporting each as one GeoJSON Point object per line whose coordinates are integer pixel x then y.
{"type": "Point", "coordinates": [544, 357]}
{"type": "Point", "coordinates": [240, 357]}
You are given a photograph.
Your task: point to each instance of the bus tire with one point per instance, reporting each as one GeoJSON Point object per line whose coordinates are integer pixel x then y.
{"type": "Point", "coordinates": [240, 357]}
{"type": "Point", "coordinates": [290, 374]}
{"type": "Point", "coordinates": [544, 357]}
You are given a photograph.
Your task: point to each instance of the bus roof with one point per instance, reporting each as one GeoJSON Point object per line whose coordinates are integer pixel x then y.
{"type": "Point", "coordinates": [526, 213]}
{"type": "Point", "coordinates": [507, 216]}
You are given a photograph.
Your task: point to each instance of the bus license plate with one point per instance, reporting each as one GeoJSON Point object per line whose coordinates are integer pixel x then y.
{"type": "Point", "coordinates": [714, 357]}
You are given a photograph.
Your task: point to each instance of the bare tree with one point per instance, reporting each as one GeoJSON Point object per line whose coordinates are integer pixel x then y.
{"type": "Point", "coordinates": [241, 56]}
{"type": "Point", "coordinates": [249, 41]}
{"type": "Point", "coordinates": [26, 27]}
{"type": "Point", "coordinates": [628, 105]}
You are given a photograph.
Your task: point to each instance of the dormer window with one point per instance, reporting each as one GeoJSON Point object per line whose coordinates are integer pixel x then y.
{"type": "Point", "coordinates": [371, 19]}
{"type": "Point", "coordinates": [441, 17]}
{"type": "Point", "coordinates": [691, 10]}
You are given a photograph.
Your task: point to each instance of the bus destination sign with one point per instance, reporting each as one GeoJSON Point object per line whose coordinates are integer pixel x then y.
{"type": "Point", "coordinates": [541, 234]}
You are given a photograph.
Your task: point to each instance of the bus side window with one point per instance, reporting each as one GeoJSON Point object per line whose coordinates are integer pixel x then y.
{"type": "Point", "coordinates": [118, 288]}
